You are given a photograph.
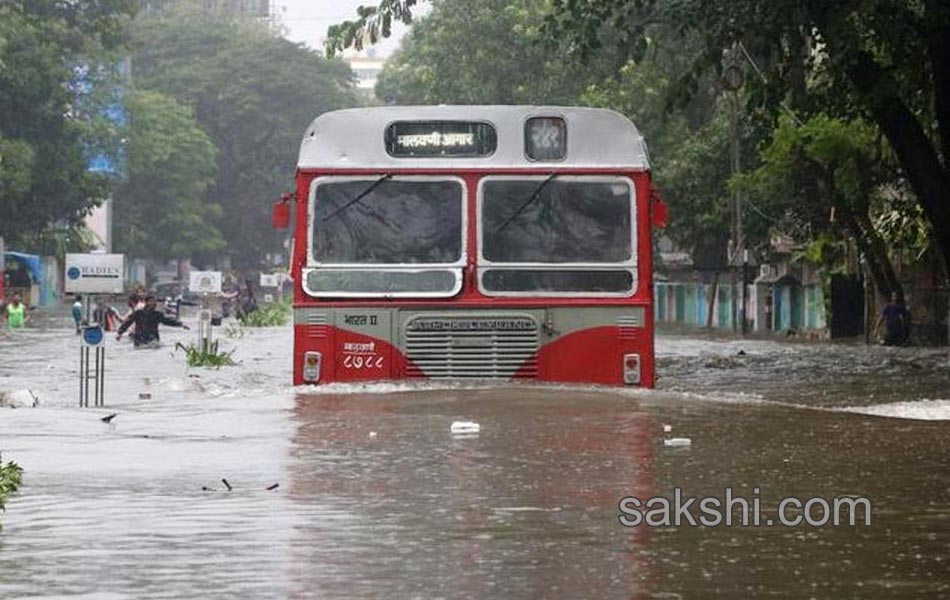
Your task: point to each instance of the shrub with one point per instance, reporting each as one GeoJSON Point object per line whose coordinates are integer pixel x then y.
{"type": "Point", "coordinates": [206, 355]}
{"type": "Point", "coordinates": [270, 315]}
{"type": "Point", "coordinates": [11, 475]}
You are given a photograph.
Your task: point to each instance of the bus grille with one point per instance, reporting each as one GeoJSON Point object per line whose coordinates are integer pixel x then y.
{"type": "Point", "coordinates": [472, 347]}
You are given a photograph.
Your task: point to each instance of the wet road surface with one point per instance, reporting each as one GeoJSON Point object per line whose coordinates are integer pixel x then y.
{"type": "Point", "coordinates": [377, 499]}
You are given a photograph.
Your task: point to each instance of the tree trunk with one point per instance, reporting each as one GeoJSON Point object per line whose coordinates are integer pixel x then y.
{"type": "Point", "coordinates": [916, 154]}
{"type": "Point", "coordinates": [938, 48]}
{"type": "Point", "coordinates": [879, 273]}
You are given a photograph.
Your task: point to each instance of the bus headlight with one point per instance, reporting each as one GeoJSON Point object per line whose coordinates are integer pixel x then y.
{"type": "Point", "coordinates": [312, 362]}
{"type": "Point", "coordinates": [631, 369]}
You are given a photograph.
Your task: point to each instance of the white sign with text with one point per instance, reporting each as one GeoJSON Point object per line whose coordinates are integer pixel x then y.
{"type": "Point", "coordinates": [95, 273]}
{"type": "Point", "coordinates": [205, 282]}
{"type": "Point", "coordinates": [270, 280]}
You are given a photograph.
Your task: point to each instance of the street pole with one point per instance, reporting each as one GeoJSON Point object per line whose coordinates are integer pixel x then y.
{"type": "Point", "coordinates": [737, 213]}
{"type": "Point", "coordinates": [3, 266]}
{"type": "Point", "coordinates": [745, 271]}
{"type": "Point", "coordinates": [732, 79]}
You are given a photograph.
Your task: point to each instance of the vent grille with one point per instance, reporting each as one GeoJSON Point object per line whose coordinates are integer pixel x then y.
{"type": "Point", "coordinates": [472, 347]}
{"type": "Point", "coordinates": [628, 326]}
{"type": "Point", "coordinates": [318, 325]}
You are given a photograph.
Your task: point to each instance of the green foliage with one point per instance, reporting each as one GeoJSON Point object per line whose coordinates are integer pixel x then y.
{"type": "Point", "coordinates": [269, 315]}
{"type": "Point", "coordinates": [503, 62]}
{"type": "Point", "coordinates": [161, 209]}
{"type": "Point", "coordinates": [253, 93]}
{"type": "Point", "coordinates": [693, 176]}
{"type": "Point", "coordinates": [45, 130]}
{"type": "Point", "coordinates": [902, 223]}
{"type": "Point", "coordinates": [825, 250]}
{"type": "Point", "coordinates": [882, 59]}
{"type": "Point", "coordinates": [371, 24]}
{"type": "Point", "coordinates": [206, 355]}
{"type": "Point", "coordinates": [807, 168]}
{"type": "Point", "coordinates": [11, 476]}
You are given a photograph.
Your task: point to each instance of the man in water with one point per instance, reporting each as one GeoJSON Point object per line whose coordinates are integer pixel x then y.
{"type": "Point", "coordinates": [146, 321]}
{"type": "Point", "coordinates": [77, 313]}
{"type": "Point", "coordinates": [16, 313]}
{"type": "Point", "coordinates": [896, 320]}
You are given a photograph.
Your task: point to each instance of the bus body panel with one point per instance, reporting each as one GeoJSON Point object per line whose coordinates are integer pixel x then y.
{"type": "Point", "coordinates": [570, 344]}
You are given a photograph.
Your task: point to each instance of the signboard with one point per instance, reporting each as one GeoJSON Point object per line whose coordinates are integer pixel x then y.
{"type": "Point", "coordinates": [92, 335]}
{"type": "Point", "coordinates": [95, 273]}
{"type": "Point", "coordinates": [440, 138]}
{"type": "Point", "coordinates": [205, 282]}
{"type": "Point", "coordinates": [270, 280]}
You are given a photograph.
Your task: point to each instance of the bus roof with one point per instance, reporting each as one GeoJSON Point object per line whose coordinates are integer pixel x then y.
{"type": "Point", "coordinates": [355, 138]}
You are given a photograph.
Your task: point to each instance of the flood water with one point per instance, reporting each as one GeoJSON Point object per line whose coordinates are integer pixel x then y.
{"type": "Point", "coordinates": [376, 498]}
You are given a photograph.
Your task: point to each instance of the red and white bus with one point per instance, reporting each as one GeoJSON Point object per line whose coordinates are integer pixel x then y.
{"type": "Point", "coordinates": [486, 242]}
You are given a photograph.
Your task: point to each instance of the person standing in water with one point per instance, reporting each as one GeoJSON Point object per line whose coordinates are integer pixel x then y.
{"type": "Point", "coordinates": [896, 320]}
{"type": "Point", "coordinates": [16, 313]}
{"type": "Point", "coordinates": [77, 313]}
{"type": "Point", "coordinates": [146, 321]}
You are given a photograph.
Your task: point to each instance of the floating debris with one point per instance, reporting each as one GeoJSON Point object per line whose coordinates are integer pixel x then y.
{"type": "Point", "coordinates": [465, 427]}
{"type": "Point", "coordinates": [677, 442]}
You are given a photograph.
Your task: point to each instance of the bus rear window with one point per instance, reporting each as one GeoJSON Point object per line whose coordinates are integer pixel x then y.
{"type": "Point", "coordinates": [377, 282]}
{"type": "Point", "coordinates": [556, 220]}
{"type": "Point", "coordinates": [384, 221]}
{"type": "Point", "coordinates": [557, 281]}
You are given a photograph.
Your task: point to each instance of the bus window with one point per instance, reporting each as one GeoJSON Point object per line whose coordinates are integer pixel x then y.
{"type": "Point", "coordinates": [370, 235]}
{"type": "Point", "coordinates": [542, 230]}
{"type": "Point", "coordinates": [557, 281]}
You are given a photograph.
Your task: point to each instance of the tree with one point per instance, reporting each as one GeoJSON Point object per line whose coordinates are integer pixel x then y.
{"type": "Point", "coordinates": [503, 63]}
{"type": "Point", "coordinates": [823, 161]}
{"type": "Point", "coordinates": [161, 209]}
{"type": "Point", "coordinates": [45, 188]}
{"type": "Point", "coordinates": [254, 93]}
{"type": "Point", "coordinates": [885, 59]}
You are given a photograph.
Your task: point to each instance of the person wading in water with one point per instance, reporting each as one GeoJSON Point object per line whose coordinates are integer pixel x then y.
{"type": "Point", "coordinates": [16, 313]}
{"type": "Point", "coordinates": [146, 321]}
{"type": "Point", "coordinates": [896, 320]}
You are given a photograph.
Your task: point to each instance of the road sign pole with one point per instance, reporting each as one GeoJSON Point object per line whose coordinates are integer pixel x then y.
{"type": "Point", "coordinates": [92, 337]}
{"type": "Point", "coordinates": [101, 378]}
{"type": "Point", "coordinates": [82, 374]}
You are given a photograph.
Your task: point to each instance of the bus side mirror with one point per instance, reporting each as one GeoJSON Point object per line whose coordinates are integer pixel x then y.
{"type": "Point", "coordinates": [281, 216]}
{"type": "Point", "coordinates": [659, 214]}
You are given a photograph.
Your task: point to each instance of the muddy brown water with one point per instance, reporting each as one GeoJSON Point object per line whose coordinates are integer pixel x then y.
{"type": "Point", "coordinates": [376, 498]}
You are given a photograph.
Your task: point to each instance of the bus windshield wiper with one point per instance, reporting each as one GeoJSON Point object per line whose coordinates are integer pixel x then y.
{"type": "Point", "coordinates": [534, 196]}
{"type": "Point", "coordinates": [359, 196]}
